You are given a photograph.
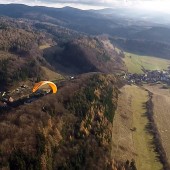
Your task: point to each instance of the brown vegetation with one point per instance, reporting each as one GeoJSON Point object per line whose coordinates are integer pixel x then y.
{"type": "Point", "coordinates": [85, 54]}
{"type": "Point", "coordinates": [20, 56]}
{"type": "Point", "coordinates": [69, 130]}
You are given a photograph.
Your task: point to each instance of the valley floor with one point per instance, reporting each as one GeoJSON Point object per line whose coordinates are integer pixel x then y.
{"type": "Point", "coordinates": [136, 63]}
{"type": "Point", "coordinates": [130, 139]}
{"type": "Point", "coordinates": [161, 110]}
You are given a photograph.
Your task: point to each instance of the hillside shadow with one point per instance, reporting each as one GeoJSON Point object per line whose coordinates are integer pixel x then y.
{"type": "Point", "coordinates": [69, 59]}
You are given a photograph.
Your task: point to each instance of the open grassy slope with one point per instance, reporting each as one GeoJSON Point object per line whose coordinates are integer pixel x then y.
{"type": "Point", "coordinates": [42, 47]}
{"type": "Point", "coordinates": [161, 109]}
{"type": "Point", "coordinates": [128, 144]}
{"type": "Point", "coordinates": [51, 75]}
{"type": "Point", "coordinates": [136, 63]}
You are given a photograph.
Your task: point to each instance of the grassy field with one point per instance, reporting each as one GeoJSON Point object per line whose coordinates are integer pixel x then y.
{"type": "Point", "coordinates": [136, 63]}
{"type": "Point", "coordinates": [128, 144]}
{"type": "Point", "coordinates": [161, 109]}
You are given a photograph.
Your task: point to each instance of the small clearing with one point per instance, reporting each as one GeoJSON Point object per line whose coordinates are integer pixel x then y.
{"type": "Point", "coordinates": [43, 47]}
{"type": "Point", "coordinates": [51, 75]}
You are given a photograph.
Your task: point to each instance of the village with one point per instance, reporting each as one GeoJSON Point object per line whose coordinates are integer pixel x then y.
{"type": "Point", "coordinates": [154, 76]}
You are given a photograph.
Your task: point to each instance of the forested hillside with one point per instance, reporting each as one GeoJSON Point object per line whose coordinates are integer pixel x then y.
{"type": "Point", "coordinates": [143, 47]}
{"type": "Point", "coordinates": [59, 49]}
{"type": "Point", "coordinates": [42, 46]}
{"type": "Point", "coordinates": [84, 55]}
{"type": "Point", "coordinates": [19, 51]}
{"type": "Point", "coordinates": [67, 130]}
{"type": "Point", "coordinates": [70, 130]}
{"type": "Point", "coordinates": [144, 33]}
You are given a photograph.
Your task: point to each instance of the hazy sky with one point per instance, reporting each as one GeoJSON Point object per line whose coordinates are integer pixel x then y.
{"type": "Point", "coordinates": [157, 5]}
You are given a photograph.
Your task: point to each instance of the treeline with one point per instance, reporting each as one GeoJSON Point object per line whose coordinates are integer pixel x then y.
{"type": "Point", "coordinates": [153, 130]}
{"type": "Point", "coordinates": [6, 22]}
{"type": "Point", "coordinates": [59, 33]}
{"type": "Point", "coordinates": [22, 161]}
{"type": "Point", "coordinates": [95, 92]}
{"type": "Point", "coordinates": [17, 40]}
{"type": "Point", "coordinates": [20, 56]}
{"type": "Point", "coordinates": [20, 36]}
{"type": "Point", "coordinates": [94, 110]}
{"type": "Point", "coordinates": [20, 71]}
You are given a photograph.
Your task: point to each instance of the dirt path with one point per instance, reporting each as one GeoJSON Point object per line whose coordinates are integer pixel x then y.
{"type": "Point", "coordinates": [129, 143]}
{"type": "Point", "coordinates": [161, 109]}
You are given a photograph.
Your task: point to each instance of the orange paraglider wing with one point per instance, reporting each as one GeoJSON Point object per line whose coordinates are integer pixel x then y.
{"type": "Point", "coordinates": [41, 83]}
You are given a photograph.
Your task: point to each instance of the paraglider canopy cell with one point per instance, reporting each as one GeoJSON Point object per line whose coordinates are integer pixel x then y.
{"type": "Point", "coordinates": [42, 83]}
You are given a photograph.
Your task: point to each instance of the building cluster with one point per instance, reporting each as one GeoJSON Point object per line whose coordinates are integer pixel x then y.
{"type": "Point", "coordinates": [5, 96]}
{"type": "Point", "coordinates": [153, 76]}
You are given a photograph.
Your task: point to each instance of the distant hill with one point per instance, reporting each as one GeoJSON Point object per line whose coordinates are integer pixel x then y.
{"type": "Point", "coordinates": [122, 23]}
{"type": "Point", "coordinates": [90, 21]}
{"type": "Point", "coordinates": [118, 21]}
{"type": "Point", "coordinates": [20, 56]}
{"type": "Point", "coordinates": [143, 47]}
{"type": "Point", "coordinates": [136, 16]}
{"type": "Point", "coordinates": [80, 20]}
{"type": "Point", "coordinates": [158, 34]}
{"type": "Point", "coordinates": [45, 49]}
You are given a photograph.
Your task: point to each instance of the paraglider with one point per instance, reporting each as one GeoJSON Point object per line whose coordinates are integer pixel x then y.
{"type": "Point", "coordinates": [41, 83]}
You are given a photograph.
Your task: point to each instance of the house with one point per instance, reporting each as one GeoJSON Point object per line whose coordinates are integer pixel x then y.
{"type": "Point", "coordinates": [7, 99]}
{"type": "Point", "coordinates": [71, 77]}
{"type": "Point", "coordinates": [153, 76]}
{"type": "Point", "coordinates": [11, 99]}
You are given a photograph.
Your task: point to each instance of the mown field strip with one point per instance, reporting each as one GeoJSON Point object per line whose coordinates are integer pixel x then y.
{"type": "Point", "coordinates": [130, 122]}
{"type": "Point", "coordinates": [161, 110]}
